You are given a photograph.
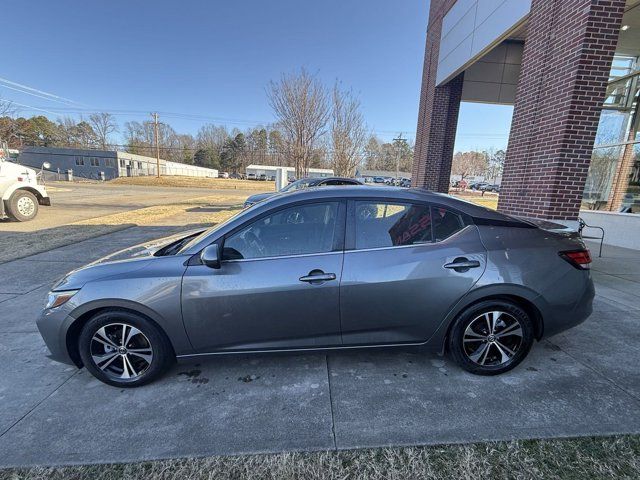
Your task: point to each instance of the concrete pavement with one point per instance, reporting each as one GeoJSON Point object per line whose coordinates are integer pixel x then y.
{"type": "Point", "coordinates": [582, 382]}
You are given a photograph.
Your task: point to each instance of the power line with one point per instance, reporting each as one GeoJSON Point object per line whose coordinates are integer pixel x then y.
{"type": "Point", "coordinates": [35, 92]}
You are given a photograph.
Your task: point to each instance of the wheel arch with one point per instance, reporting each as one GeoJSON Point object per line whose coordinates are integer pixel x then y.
{"type": "Point", "coordinates": [525, 298]}
{"type": "Point", "coordinates": [11, 191]}
{"type": "Point", "coordinates": [90, 311]}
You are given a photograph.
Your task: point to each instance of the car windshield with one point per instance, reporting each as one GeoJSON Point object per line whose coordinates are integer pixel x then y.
{"type": "Point", "coordinates": [297, 185]}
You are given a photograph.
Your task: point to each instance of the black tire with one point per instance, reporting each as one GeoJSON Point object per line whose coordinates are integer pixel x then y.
{"type": "Point", "coordinates": [20, 200]}
{"type": "Point", "coordinates": [151, 336]}
{"type": "Point", "coordinates": [465, 342]}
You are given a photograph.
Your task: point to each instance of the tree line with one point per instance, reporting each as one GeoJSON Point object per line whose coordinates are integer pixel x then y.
{"type": "Point", "coordinates": [316, 127]}
{"type": "Point", "coordinates": [487, 163]}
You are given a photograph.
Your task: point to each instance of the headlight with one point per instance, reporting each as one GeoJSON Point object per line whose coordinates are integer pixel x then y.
{"type": "Point", "coordinates": [56, 299]}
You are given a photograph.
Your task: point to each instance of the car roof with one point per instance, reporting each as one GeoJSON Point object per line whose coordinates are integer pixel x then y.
{"type": "Point", "coordinates": [387, 193]}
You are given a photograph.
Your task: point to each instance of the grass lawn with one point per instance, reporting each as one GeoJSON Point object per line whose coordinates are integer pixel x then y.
{"type": "Point", "coordinates": [198, 182]}
{"type": "Point", "coordinates": [489, 200]}
{"type": "Point", "coordinates": [15, 245]}
{"type": "Point", "coordinates": [584, 458]}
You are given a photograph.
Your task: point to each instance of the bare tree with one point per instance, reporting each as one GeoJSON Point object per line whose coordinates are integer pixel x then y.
{"type": "Point", "coordinates": [103, 125]}
{"type": "Point", "coordinates": [7, 109]}
{"type": "Point", "coordinates": [348, 132]}
{"type": "Point", "coordinates": [466, 164]}
{"type": "Point", "coordinates": [299, 102]}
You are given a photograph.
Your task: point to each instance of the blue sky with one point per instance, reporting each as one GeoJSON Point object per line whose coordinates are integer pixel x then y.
{"type": "Point", "coordinates": [214, 58]}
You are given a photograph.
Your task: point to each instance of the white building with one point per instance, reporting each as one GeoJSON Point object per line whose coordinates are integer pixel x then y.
{"type": "Point", "coordinates": [132, 165]}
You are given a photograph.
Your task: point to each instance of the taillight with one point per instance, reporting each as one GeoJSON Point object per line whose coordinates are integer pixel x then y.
{"type": "Point", "coordinates": [578, 258]}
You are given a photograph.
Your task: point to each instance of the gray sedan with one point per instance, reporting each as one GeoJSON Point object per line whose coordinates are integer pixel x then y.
{"type": "Point", "coordinates": [321, 269]}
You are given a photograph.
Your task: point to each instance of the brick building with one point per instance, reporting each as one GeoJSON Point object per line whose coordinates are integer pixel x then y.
{"type": "Point", "coordinates": [570, 68]}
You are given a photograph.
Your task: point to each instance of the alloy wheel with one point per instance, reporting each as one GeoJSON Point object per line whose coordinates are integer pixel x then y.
{"type": "Point", "coordinates": [492, 338]}
{"type": "Point", "coordinates": [121, 351]}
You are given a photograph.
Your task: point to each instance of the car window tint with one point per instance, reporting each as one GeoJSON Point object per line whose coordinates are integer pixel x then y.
{"type": "Point", "coordinates": [303, 229]}
{"type": "Point", "coordinates": [381, 224]}
{"type": "Point", "coordinates": [338, 182]}
{"type": "Point", "coordinates": [445, 223]}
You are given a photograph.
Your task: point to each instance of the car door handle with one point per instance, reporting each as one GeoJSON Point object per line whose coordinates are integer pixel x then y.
{"type": "Point", "coordinates": [462, 264]}
{"type": "Point", "coordinates": [318, 277]}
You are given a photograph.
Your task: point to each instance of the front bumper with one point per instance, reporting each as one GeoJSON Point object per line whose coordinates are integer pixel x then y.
{"type": "Point", "coordinates": [54, 325]}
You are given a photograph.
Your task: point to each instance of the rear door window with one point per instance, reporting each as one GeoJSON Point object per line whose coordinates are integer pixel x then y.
{"type": "Point", "coordinates": [390, 224]}
{"type": "Point", "coordinates": [445, 223]}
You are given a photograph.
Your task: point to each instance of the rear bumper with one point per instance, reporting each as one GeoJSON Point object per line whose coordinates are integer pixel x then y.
{"type": "Point", "coordinates": [560, 318]}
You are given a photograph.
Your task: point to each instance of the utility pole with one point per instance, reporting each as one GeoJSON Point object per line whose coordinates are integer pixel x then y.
{"type": "Point", "coordinates": [397, 142]}
{"type": "Point", "coordinates": [155, 129]}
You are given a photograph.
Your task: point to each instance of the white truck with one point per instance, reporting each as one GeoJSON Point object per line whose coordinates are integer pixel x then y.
{"type": "Point", "coordinates": [21, 191]}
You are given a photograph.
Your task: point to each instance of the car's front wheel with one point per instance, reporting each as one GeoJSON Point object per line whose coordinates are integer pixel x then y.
{"type": "Point", "coordinates": [491, 337]}
{"type": "Point", "coordinates": [124, 349]}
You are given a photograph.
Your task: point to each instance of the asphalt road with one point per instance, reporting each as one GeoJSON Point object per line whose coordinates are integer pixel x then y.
{"type": "Point", "coordinates": [583, 382]}
{"type": "Point", "coordinates": [72, 202]}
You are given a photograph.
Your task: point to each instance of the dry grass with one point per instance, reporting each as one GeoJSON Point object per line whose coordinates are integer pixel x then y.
{"type": "Point", "coordinates": [153, 215]}
{"type": "Point", "coordinates": [489, 200]}
{"type": "Point", "coordinates": [585, 458]}
{"type": "Point", "coordinates": [15, 245]}
{"type": "Point", "coordinates": [197, 182]}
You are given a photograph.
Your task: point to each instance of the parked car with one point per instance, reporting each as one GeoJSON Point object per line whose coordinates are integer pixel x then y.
{"type": "Point", "coordinates": [325, 268]}
{"type": "Point", "coordinates": [477, 185]}
{"type": "Point", "coordinates": [490, 188]}
{"type": "Point", "coordinates": [223, 175]}
{"type": "Point", "coordinates": [300, 184]}
{"type": "Point", "coordinates": [262, 178]}
{"type": "Point", "coordinates": [251, 176]}
{"type": "Point", "coordinates": [378, 179]}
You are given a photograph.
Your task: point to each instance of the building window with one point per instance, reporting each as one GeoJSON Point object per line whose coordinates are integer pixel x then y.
{"type": "Point", "coordinates": [139, 165]}
{"type": "Point", "coordinates": [95, 162]}
{"type": "Point", "coordinates": [79, 161]}
{"type": "Point", "coordinates": [122, 163]}
{"type": "Point", "coordinates": [611, 183]}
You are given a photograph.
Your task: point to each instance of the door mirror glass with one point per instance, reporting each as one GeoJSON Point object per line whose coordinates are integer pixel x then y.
{"type": "Point", "coordinates": [210, 256]}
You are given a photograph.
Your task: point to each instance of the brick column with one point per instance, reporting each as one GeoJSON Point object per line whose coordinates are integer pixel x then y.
{"type": "Point", "coordinates": [565, 68]}
{"type": "Point", "coordinates": [438, 114]}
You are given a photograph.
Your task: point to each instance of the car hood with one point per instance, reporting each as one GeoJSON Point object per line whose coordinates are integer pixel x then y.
{"type": "Point", "coordinates": [123, 261]}
{"type": "Point", "coordinates": [258, 197]}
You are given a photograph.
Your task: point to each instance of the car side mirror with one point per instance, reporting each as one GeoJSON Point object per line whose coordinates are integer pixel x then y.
{"type": "Point", "coordinates": [210, 256]}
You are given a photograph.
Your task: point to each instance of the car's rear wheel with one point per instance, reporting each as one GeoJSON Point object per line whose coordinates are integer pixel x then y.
{"type": "Point", "coordinates": [23, 206]}
{"type": "Point", "coordinates": [124, 349]}
{"type": "Point", "coordinates": [491, 337]}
